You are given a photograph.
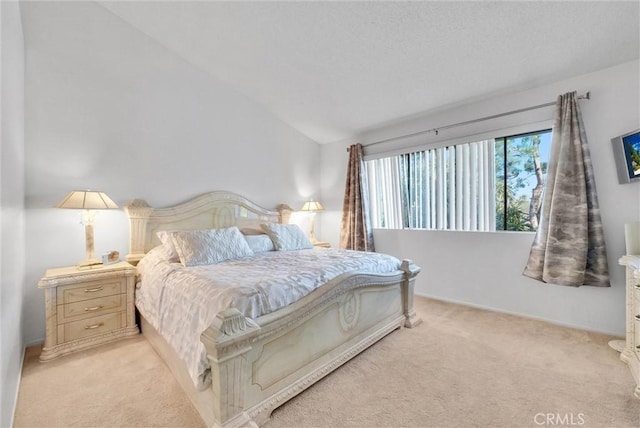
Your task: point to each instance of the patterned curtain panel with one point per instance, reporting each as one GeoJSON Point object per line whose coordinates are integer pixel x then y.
{"type": "Point", "coordinates": [356, 233]}
{"type": "Point", "coordinates": [569, 246]}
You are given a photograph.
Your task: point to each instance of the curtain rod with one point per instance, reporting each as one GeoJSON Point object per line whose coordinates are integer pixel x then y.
{"type": "Point", "coordinates": [586, 96]}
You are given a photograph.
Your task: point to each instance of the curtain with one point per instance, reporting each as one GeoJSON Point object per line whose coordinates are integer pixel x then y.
{"type": "Point", "coordinates": [356, 233]}
{"type": "Point", "coordinates": [569, 246]}
{"type": "Point", "coordinates": [385, 192]}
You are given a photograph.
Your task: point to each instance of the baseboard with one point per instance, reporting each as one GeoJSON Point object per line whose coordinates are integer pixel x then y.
{"type": "Point", "coordinates": [533, 317]}
{"type": "Point", "coordinates": [34, 343]}
{"type": "Point", "coordinates": [15, 398]}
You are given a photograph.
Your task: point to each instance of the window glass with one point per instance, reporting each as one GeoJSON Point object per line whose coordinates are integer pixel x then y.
{"type": "Point", "coordinates": [521, 172]}
{"type": "Point", "coordinates": [486, 185]}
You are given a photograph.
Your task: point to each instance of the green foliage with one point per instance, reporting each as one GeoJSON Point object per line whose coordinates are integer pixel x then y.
{"type": "Point", "coordinates": [523, 154]}
{"type": "Point", "coordinates": [517, 219]}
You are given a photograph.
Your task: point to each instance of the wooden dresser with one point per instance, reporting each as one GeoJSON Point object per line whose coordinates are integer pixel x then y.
{"type": "Point", "coordinates": [631, 352]}
{"type": "Point", "coordinates": [85, 308]}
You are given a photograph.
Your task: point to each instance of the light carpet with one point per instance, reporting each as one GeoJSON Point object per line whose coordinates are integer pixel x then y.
{"type": "Point", "coordinates": [463, 367]}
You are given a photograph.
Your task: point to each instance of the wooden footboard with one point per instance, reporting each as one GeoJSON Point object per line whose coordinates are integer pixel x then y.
{"type": "Point", "coordinates": [257, 365]}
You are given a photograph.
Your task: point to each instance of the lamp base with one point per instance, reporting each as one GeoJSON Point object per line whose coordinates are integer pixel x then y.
{"type": "Point", "coordinates": [88, 263]}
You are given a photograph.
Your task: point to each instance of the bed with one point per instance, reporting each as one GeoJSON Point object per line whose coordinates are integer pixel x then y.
{"type": "Point", "coordinates": [258, 359]}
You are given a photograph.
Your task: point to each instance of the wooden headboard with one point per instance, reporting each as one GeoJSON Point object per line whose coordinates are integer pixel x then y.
{"type": "Point", "coordinates": [207, 211]}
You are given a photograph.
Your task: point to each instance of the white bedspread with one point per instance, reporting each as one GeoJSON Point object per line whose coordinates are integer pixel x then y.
{"type": "Point", "coordinates": [182, 302]}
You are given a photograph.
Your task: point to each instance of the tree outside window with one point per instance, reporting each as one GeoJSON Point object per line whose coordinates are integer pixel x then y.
{"type": "Point", "coordinates": [521, 169]}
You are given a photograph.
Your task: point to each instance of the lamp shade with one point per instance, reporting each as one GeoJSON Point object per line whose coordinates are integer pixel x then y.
{"type": "Point", "coordinates": [312, 206]}
{"type": "Point", "coordinates": [87, 200]}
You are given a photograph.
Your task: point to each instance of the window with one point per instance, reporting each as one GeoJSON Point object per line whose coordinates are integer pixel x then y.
{"type": "Point", "coordinates": [521, 171]}
{"type": "Point", "coordinates": [483, 186]}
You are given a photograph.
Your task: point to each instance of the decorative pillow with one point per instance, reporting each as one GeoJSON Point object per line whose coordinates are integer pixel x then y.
{"type": "Point", "coordinates": [287, 237]}
{"type": "Point", "coordinates": [259, 243]}
{"type": "Point", "coordinates": [251, 231]}
{"type": "Point", "coordinates": [205, 247]}
{"type": "Point", "coordinates": [167, 242]}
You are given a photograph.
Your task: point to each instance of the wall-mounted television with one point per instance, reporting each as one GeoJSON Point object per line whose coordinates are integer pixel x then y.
{"type": "Point", "coordinates": [626, 149]}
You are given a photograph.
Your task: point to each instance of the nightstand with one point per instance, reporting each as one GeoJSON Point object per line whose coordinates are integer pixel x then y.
{"type": "Point", "coordinates": [631, 346]}
{"type": "Point", "coordinates": [87, 307]}
{"type": "Point", "coordinates": [322, 244]}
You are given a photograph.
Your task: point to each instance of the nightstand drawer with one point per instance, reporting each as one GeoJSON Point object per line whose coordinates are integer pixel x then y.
{"type": "Point", "coordinates": [91, 290]}
{"type": "Point", "coordinates": [90, 326]}
{"type": "Point", "coordinates": [636, 319]}
{"type": "Point", "coordinates": [636, 334]}
{"type": "Point", "coordinates": [92, 307]}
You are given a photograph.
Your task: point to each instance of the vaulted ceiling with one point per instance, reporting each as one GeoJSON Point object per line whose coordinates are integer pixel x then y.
{"type": "Point", "coordinates": [335, 69]}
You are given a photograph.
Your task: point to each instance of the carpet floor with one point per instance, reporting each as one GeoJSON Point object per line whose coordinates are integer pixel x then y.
{"type": "Point", "coordinates": [463, 367]}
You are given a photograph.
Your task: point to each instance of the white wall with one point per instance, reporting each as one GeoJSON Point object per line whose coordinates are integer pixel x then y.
{"type": "Point", "coordinates": [485, 269]}
{"type": "Point", "coordinates": [11, 207]}
{"type": "Point", "coordinates": [108, 108]}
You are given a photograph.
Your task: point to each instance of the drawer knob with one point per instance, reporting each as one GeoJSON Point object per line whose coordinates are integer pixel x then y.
{"type": "Point", "coordinates": [638, 317]}
{"type": "Point", "coordinates": [93, 308]}
{"type": "Point", "coordinates": [91, 327]}
{"type": "Point", "coordinates": [92, 290]}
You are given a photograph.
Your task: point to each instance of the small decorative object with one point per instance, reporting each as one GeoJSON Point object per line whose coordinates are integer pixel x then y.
{"type": "Point", "coordinates": [312, 207]}
{"type": "Point", "coordinates": [110, 257]}
{"type": "Point", "coordinates": [87, 201]}
{"type": "Point", "coordinates": [626, 149]}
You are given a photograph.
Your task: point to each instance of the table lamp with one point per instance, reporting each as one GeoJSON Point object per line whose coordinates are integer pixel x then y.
{"type": "Point", "coordinates": [87, 201]}
{"type": "Point", "coordinates": [312, 207]}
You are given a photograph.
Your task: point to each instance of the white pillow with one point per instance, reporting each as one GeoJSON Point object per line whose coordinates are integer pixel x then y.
{"type": "Point", "coordinates": [287, 236]}
{"type": "Point", "coordinates": [259, 243]}
{"type": "Point", "coordinates": [205, 247]}
{"type": "Point", "coordinates": [167, 242]}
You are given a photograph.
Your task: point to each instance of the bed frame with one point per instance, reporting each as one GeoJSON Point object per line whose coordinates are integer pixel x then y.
{"type": "Point", "coordinates": [258, 364]}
